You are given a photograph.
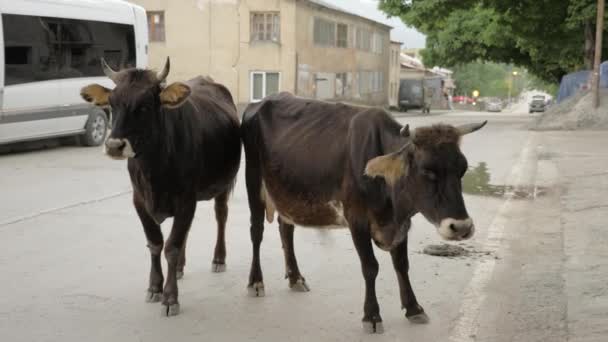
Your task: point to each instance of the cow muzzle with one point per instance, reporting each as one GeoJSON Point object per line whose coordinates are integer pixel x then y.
{"type": "Point", "coordinates": [452, 229]}
{"type": "Point", "coordinates": [118, 149]}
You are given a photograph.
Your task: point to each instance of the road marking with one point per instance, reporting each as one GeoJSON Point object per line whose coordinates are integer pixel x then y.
{"type": "Point", "coordinates": [18, 219]}
{"type": "Point", "coordinates": [467, 324]}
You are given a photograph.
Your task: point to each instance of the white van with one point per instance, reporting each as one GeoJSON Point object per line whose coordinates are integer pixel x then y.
{"type": "Point", "coordinates": [50, 50]}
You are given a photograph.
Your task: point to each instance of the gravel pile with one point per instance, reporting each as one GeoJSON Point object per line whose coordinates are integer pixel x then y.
{"type": "Point", "coordinates": [575, 113]}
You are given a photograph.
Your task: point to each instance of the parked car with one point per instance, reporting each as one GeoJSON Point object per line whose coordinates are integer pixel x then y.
{"type": "Point", "coordinates": [463, 99]}
{"type": "Point", "coordinates": [493, 105]}
{"type": "Point", "coordinates": [537, 105]}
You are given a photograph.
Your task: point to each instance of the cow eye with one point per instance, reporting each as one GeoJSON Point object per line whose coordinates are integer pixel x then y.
{"type": "Point", "coordinates": [429, 174]}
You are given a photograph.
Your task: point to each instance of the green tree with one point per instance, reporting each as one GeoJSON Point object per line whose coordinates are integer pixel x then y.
{"type": "Point", "coordinates": [490, 79]}
{"type": "Point", "coordinates": [547, 37]}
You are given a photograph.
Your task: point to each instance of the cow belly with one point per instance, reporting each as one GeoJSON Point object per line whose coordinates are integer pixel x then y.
{"type": "Point", "coordinates": [303, 212]}
{"type": "Point", "coordinates": [322, 215]}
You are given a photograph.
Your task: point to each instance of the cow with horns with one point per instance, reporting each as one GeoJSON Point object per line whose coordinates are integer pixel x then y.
{"type": "Point", "coordinates": [182, 145]}
{"type": "Point", "coordinates": [321, 164]}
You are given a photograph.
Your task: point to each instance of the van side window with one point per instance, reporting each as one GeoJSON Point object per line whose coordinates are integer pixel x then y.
{"type": "Point", "coordinates": [44, 48]}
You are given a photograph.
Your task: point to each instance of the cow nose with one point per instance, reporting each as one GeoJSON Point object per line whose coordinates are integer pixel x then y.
{"type": "Point", "coordinates": [453, 229]}
{"type": "Point", "coordinates": [115, 144]}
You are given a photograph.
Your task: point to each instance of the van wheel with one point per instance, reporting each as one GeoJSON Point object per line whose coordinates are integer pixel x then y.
{"type": "Point", "coordinates": [96, 129]}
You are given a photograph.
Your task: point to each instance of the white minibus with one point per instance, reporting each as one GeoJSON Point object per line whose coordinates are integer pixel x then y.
{"type": "Point", "coordinates": [49, 50]}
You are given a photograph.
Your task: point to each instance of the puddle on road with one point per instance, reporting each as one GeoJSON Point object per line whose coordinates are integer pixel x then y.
{"type": "Point", "coordinates": [477, 182]}
{"type": "Point", "coordinates": [454, 251]}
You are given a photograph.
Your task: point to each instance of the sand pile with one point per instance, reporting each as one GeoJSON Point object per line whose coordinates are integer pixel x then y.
{"type": "Point", "coordinates": [575, 113]}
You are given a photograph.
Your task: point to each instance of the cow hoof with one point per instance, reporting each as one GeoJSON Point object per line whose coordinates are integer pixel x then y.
{"type": "Point", "coordinates": [299, 286]}
{"type": "Point", "coordinates": [218, 268]}
{"type": "Point", "coordinates": [179, 275]}
{"type": "Point", "coordinates": [373, 327]}
{"type": "Point", "coordinates": [420, 318]}
{"type": "Point", "coordinates": [170, 310]}
{"type": "Point", "coordinates": [256, 290]}
{"type": "Point", "coordinates": [153, 297]}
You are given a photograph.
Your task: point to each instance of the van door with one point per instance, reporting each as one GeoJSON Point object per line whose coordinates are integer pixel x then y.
{"type": "Point", "coordinates": [141, 36]}
{"type": "Point", "coordinates": [31, 68]}
{"type": "Point", "coordinates": [1, 73]}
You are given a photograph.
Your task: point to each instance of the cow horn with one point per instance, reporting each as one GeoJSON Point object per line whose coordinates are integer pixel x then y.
{"type": "Point", "coordinates": [163, 74]}
{"type": "Point", "coordinates": [470, 128]}
{"type": "Point", "coordinates": [108, 71]}
{"type": "Point", "coordinates": [405, 131]}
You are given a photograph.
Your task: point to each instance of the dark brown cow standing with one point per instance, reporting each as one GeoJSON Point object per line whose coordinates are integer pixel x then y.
{"type": "Point", "coordinates": [319, 164]}
{"type": "Point", "coordinates": [183, 145]}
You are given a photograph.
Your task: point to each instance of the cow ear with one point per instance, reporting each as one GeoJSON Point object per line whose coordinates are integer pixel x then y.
{"type": "Point", "coordinates": [174, 95]}
{"type": "Point", "coordinates": [391, 167]}
{"type": "Point", "coordinates": [96, 94]}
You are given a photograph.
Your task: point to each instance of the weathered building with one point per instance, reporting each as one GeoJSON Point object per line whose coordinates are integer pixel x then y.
{"type": "Point", "coordinates": [260, 47]}
{"type": "Point", "coordinates": [394, 74]}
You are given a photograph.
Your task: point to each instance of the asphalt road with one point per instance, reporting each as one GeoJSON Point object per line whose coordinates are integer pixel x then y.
{"type": "Point", "coordinates": [74, 261]}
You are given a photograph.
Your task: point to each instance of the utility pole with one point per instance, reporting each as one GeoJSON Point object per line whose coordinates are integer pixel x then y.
{"type": "Point", "coordinates": [599, 33]}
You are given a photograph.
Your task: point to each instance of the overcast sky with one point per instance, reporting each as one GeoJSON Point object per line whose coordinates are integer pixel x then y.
{"type": "Point", "coordinates": [369, 9]}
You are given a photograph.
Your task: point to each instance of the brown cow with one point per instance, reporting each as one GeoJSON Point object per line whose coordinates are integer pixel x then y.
{"type": "Point", "coordinates": [183, 145]}
{"type": "Point", "coordinates": [320, 164]}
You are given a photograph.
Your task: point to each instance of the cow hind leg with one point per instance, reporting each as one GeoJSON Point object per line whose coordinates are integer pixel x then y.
{"type": "Point", "coordinates": [253, 179]}
{"type": "Point", "coordinates": [221, 215]}
{"type": "Point", "coordinates": [154, 237]}
{"type": "Point", "coordinates": [173, 246]}
{"type": "Point", "coordinates": [181, 261]}
{"type": "Point", "coordinates": [414, 312]}
{"type": "Point", "coordinates": [292, 272]}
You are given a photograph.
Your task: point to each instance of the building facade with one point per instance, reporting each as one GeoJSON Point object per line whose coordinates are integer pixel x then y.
{"type": "Point", "coordinates": [394, 74]}
{"type": "Point", "coordinates": [260, 47]}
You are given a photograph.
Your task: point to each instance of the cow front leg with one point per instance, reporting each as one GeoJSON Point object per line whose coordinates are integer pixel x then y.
{"type": "Point", "coordinates": [372, 322]}
{"type": "Point", "coordinates": [413, 311]}
{"type": "Point", "coordinates": [154, 236]}
{"type": "Point", "coordinates": [221, 215]}
{"type": "Point", "coordinates": [176, 241]}
{"type": "Point", "coordinates": [292, 272]}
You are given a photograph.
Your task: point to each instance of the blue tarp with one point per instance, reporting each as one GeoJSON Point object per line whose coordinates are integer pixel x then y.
{"type": "Point", "coordinates": [573, 82]}
{"type": "Point", "coordinates": [604, 75]}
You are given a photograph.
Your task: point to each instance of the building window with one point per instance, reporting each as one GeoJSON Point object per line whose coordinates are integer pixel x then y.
{"type": "Point", "coordinates": [377, 83]}
{"type": "Point", "coordinates": [363, 82]}
{"type": "Point", "coordinates": [156, 26]}
{"type": "Point", "coordinates": [264, 84]}
{"type": "Point", "coordinates": [371, 82]}
{"type": "Point", "coordinates": [341, 85]}
{"type": "Point", "coordinates": [363, 40]}
{"type": "Point", "coordinates": [324, 32]}
{"type": "Point", "coordinates": [342, 35]}
{"type": "Point", "coordinates": [377, 43]}
{"type": "Point", "coordinates": [266, 26]}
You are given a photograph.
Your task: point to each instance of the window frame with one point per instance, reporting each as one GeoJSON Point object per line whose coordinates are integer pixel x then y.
{"type": "Point", "coordinates": [264, 84]}
{"type": "Point", "coordinates": [332, 38]}
{"type": "Point", "coordinates": [267, 36]}
{"type": "Point", "coordinates": [363, 39]}
{"type": "Point", "coordinates": [345, 40]}
{"type": "Point", "coordinates": [343, 77]}
{"type": "Point", "coordinates": [153, 35]}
